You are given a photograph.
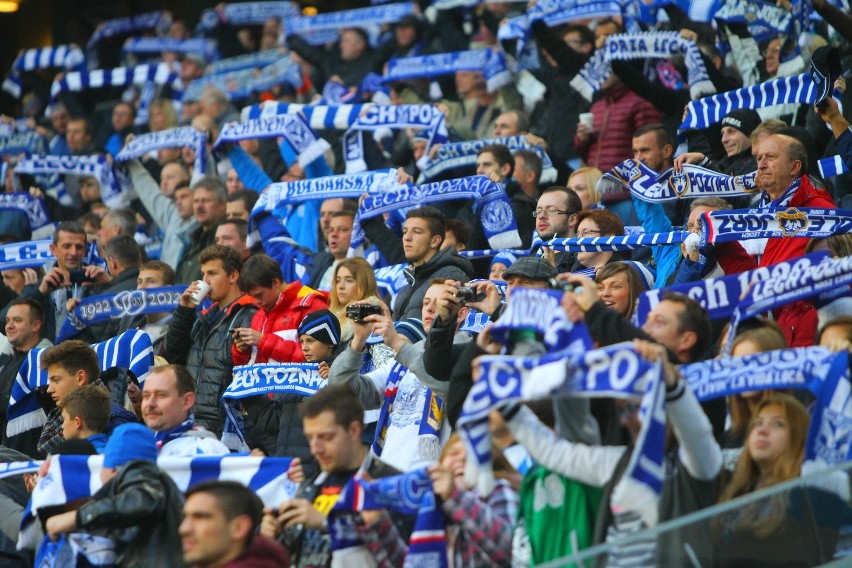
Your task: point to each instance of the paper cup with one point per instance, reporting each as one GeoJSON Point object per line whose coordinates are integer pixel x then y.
{"type": "Point", "coordinates": [588, 119]}
{"type": "Point", "coordinates": [201, 293]}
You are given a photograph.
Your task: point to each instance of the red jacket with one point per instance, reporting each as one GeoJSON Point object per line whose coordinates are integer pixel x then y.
{"type": "Point", "coordinates": [294, 303]}
{"type": "Point", "coordinates": [617, 116]}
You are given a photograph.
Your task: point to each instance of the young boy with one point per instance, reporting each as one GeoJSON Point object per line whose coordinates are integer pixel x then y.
{"type": "Point", "coordinates": [85, 413]}
{"type": "Point", "coordinates": [319, 335]}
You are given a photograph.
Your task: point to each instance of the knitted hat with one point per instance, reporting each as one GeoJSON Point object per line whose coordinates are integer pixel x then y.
{"type": "Point", "coordinates": [533, 267]}
{"type": "Point", "coordinates": [504, 257]}
{"type": "Point", "coordinates": [130, 442]}
{"type": "Point", "coordinates": [647, 275]}
{"type": "Point", "coordinates": [322, 325]}
{"type": "Point", "coordinates": [411, 328]}
{"type": "Point", "coordinates": [744, 119]}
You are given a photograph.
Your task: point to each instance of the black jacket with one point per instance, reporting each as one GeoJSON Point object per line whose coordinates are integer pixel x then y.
{"type": "Point", "coordinates": [140, 509]}
{"type": "Point", "coordinates": [188, 269]}
{"type": "Point", "coordinates": [446, 264]}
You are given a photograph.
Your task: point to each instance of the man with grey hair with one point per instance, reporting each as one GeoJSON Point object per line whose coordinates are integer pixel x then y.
{"type": "Point", "coordinates": [209, 199]}
{"type": "Point", "coordinates": [114, 223]}
{"type": "Point", "coordinates": [217, 106]}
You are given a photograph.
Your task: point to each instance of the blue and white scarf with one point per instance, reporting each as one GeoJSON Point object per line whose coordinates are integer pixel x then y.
{"type": "Point", "coordinates": [612, 371]}
{"type": "Point", "coordinates": [29, 205]}
{"type": "Point", "coordinates": [77, 81]}
{"type": "Point", "coordinates": [242, 83]}
{"type": "Point", "coordinates": [782, 289]}
{"type": "Point", "coordinates": [95, 165]}
{"type": "Point", "coordinates": [256, 60]}
{"type": "Point", "coordinates": [179, 137]}
{"type": "Point", "coordinates": [65, 56]}
{"type": "Point", "coordinates": [30, 142]}
{"type": "Point", "coordinates": [692, 182]}
{"type": "Point", "coordinates": [649, 45]}
{"type": "Point", "coordinates": [539, 311]}
{"type": "Point", "coordinates": [390, 280]}
{"type": "Point", "coordinates": [774, 222]}
{"type": "Point", "coordinates": [755, 13]}
{"type": "Point", "coordinates": [130, 350]}
{"type": "Point", "coordinates": [277, 195]}
{"type": "Point", "coordinates": [364, 18]}
{"type": "Point", "coordinates": [627, 242]}
{"type": "Point", "coordinates": [205, 47]}
{"type": "Point", "coordinates": [26, 254]}
{"type": "Point", "coordinates": [158, 21]}
{"type": "Point", "coordinates": [391, 116]}
{"type": "Point", "coordinates": [246, 13]}
{"type": "Point", "coordinates": [498, 220]}
{"type": "Point", "coordinates": [463, 155]}
{"type": "Point", "coordinates": [642, 481]}
{"type": "Point", "coordinates": [491, 62]}
{"type": "Point", "coordinates": [408, 493]}
{"type": "Point", "coordinates": [719, 296]}
{"type": "Point", "coordinates": [127, 303]}
{"type": "Point", "coordinates": [77, 477]}
{"type": "Point", "coordinates": [833, 166]}
{"type": "Point", "coordinates": [485, 253]}
{"type": "Point", "coordinates": [292, 127]}
{"type": "Point", "coordinates": [710, 110]}
{"type": "Point", "coordinates": [823, 372]}
{"type": "Point", "coordinates": [319, 117]}
{"type": "Point", "coordinates": [254, 380]}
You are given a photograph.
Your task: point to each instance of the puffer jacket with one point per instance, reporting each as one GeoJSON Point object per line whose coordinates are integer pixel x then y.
{"type": "Point", "coordinates": [446, 264]}
{"type": "Point", "coordinates": [294, 303]}
{"type": "Point", "coordinates": [141, 510]}
{"type": "Point", "coordinates": [203, 344]}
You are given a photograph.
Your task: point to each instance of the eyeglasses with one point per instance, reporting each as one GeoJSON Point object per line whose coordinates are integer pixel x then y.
{"type": "Point", "coordinates": [588, 233]}
{"type": "Point", "coordinates": [550, 212]}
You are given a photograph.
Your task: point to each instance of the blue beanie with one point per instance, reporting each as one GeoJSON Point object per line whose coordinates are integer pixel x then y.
{"type": "Point", "coordinates": [130, 442]}
{"type": "Point", "coordinates": [504, 257]}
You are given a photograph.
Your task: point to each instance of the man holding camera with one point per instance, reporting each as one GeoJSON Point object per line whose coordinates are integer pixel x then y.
{"type": "Point", "coordinates": [401, 384]}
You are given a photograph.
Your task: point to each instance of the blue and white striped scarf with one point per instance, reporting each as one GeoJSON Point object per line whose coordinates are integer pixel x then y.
{"type": "Point", "coordinates": [256, 60]}
{"type": "Point", "coordinates": [692, 182]}
{"type": "Point", "coordinates": [156, 45]}
{"type": "Point", "coordinates": [292, 127]}
{"type": "Point", "coordinates": [158, 21]}
{"type": "Point", "coordinates": [64, 56]}
{"type": "Point", "coordinates": [130, 350]}
{"type": "Point", "coordinates": [463, 154]}
{"type": "Point", "coordinates": [256, 380]}
{"type": "Point", "coordinates": [179, 137]}
{"type": "Point", "coordinates": [649, 45]}
{"type": "Point", "coordinates": [319, 117]}
{"type": "Point", "coordinates": [612, 371]}
{"type": "Point", "coordinates": [241, 83]}
{"type": "Point", "coordinates": [755, 13]}
{"type": "Point", "coordinates": [246, 13]}
{"type": "Point", "coordinates": [26, 254]}
{"type": "Point", "coordinates": [539, 311]}
{"type": "Point", "coordinates": [833, 166]}
{"type": "Point", "coordinates": [627, 242]}
{"type": "Point", "coordinates": [127, 303]}
{"type": "Point", "coordinates": [408, 493]}
{"type": "Point", "coordinates": [710, 110]}
{"type": "Point", "coordinates": [823, 372]}
{"type": "Point", "coordinates": [77, 477]}
{"type": "Point", "coordinates": [498, 220]}
{"type": "Point", "coordinates": [491, 62]}
{"type": "Point", "coordinates": [773, 222]}
{"type": "Point", "coordinates": [365, 18]}
{"type": "Point", "coordinates": [95, 165]}
{"type": "Point", "coordinates": [30, 142]}
{"type": "Point", "coordinates": [391, 116]}
{"type": "Point", "coordinates": [29, 205]}
{"type": "Point", "coordinates": [77, 81]}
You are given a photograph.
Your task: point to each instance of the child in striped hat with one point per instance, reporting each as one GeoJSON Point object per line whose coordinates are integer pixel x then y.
{"type": "Point", "coordinates": [319, 335]}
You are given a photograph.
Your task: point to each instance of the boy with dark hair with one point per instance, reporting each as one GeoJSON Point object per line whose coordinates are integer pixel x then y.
{"type": "Point", "coordinates": [85, 414]}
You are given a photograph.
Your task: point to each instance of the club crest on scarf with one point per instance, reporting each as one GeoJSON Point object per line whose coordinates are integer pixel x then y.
{"type": "Point", "coordinates": [679, 183]}
{"type": "Point", "coordinates": [792, 221]}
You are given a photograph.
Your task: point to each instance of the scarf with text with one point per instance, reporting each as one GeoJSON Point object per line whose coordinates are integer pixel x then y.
{"type": "Point", "coordinates": [292, 127]}
{"type": "Point", "coordinates": [76, 477]}
{"type": "Point", "coordinates": [256, 60]}
{"type": "Point", "coordinates": [495, 212]}
{"type": "Point", "coordinates": [27, 254]}
{"type": "Point", "coordinates": [408, 493]}
{"type": "Point", "coordinates": [491, 62]}
{"type": "Point", "coordinates": [755, 13]}
{"type": "Point", "coordinates": [78, 81]}
{"type": "Point", "coordinates": [692, 182]}
{"type": "Point", "coordinates": [257, 380]}
{"type": "Point", "coordinates": [431, 419]}
{"type": "Point", "coordinates": [241, 83]}
{"type": "Point", "coordinates": [130, 350]}
{"type": "Point", "coordinates": [30, 142]}
{"type": "Point", "coordinates": [32, 207]}
{"type": "Point", "coordinates": [702, 113]}
{"type": "Point", "coordinates": [158, 21]}
{"type": "Point", "coordinates": [180, 137]}
{"type": "Point", "coordinates": [773, 222]}
{"type": "Point", "coordinates": [463, 155]}
{"type": "Point", "coordinates": [95, 165]}
{"type": "Point", "coordinates": [390, 280]}
{"type": "Point", "coordinates": [649, 45]}
{"type": "Point", "coordinates": [126, 303]}
{"type": "Point", "coordinates": [804, 281]}
{"type": "Point", "coordinates": [319, 117]}
{"type": "Point", "coordinates": [822, 372]}
{"type": "Point", "coordinates": [156, 45]}
{"type": "Point", "coordinates": [612, 371]}
{"type": "Point", "coordinates": [246, 13]}
{"type": "Point", "coordinates": [364, 18]}
{"type": "Point", "coordinates": [539, 311]}
{"type": "Point", "coordinates": [380, 117]}
{"type": "Point", "coordinates": [60, 56]}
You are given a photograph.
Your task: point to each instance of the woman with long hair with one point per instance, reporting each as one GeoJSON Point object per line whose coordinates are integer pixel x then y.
{"type": "Point", "coordinates": [353, 280]}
